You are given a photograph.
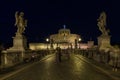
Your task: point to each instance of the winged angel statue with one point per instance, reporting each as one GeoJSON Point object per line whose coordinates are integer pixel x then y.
{"type": "Point", "coordinates": [102, 24]}
{"type": "Point", "coordinates": [21, 23]}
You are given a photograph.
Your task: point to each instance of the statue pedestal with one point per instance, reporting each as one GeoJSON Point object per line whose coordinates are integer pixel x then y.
{"type": "Point", "coordinates": [104, 42]}
{"type": "Point", "coordinates": [16, 53]}
{"type": "Point", "coordinates": [19, 44]}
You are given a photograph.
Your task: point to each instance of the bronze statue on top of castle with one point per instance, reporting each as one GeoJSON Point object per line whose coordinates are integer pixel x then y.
{"type": "Point", "coordinates": [102, 24]}
{"type": "Point", "coordinates": [21, 23]}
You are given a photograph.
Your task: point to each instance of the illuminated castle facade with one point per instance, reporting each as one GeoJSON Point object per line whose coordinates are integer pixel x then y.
{"type": "Point", "coordinates": [63, 39]}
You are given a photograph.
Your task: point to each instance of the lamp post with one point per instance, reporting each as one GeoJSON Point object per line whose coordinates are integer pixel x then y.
{"type": "Point", "coordinates": [79, 40]}
{"type": "Point", "coordinates": [47, 40]}
{"type": "Point", "coordinates": [1, 48]}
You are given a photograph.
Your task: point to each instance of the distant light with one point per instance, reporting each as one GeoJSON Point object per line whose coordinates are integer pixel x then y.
{"type": "Point", "coordinates": [47, 39]}
{"type": "Point", "coordinates": [79, 39]}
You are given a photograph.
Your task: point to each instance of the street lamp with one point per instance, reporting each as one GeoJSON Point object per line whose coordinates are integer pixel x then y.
{"type": "Point", "coordinates": [79, 40]}
{"type": "Point", "coordinates": [47, 40]}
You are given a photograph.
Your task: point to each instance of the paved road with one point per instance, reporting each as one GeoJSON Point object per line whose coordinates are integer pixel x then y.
{"type": "Point", "coordinates": [49, 69]}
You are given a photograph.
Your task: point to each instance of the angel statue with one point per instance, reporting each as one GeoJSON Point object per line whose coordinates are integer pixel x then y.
{"type": "Point", "coordinates": [21, 23]}
{"type": "Point", "coordinates": [102, 24]}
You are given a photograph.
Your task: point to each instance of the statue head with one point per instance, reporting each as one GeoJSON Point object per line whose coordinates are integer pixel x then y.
{"type": "Point", "coordinates": [21, 14]}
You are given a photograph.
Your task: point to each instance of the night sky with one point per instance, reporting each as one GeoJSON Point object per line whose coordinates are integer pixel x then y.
{"type": "Point", "coordinates": [46, 17]}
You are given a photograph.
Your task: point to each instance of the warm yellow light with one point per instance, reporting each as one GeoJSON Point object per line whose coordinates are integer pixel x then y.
{"type": "Point", "coordinates": [47, 39]}
{"type": "Point", "coordinates": [79, 39]}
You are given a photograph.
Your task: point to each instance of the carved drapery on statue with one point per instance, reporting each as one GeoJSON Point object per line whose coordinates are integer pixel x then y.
{"type": "Point", "coordinates": [21, 23]}
{"type": "Point", "coordinates": [102, 24]}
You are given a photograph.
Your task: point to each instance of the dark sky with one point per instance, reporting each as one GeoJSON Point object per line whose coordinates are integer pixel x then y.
{"type": "Point", "coordinates": [46, 17]}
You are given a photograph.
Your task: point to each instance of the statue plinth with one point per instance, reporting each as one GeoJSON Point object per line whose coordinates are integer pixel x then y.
{"type": "Point", "coordinates": [104, 42]}
{"type": "Point", "coordinates": [19, 43]}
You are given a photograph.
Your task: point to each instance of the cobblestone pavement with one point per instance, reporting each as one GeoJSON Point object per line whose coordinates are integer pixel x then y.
{"type": "Point", "coordinates": [73, 69]}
